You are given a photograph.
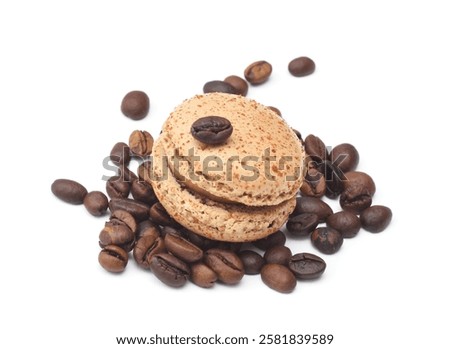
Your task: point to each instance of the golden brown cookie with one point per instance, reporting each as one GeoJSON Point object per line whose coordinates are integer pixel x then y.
{"type": "Point", "coordinates": [261, 163]}
{"type": "Point", "coordinates": [209, 218]}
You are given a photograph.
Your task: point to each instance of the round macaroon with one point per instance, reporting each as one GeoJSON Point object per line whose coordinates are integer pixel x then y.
{"type": "Point", "coordinates": [212, 219]}
{"type": "Point", "coordinates": [259, 164]}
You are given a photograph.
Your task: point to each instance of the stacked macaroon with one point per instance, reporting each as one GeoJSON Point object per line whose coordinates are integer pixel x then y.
{"type": "Point", "coordinates": [240, 190]}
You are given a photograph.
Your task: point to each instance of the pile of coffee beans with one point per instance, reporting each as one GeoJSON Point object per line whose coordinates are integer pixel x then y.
{"type": "Point", "coordinates": [333, 174]}
{"type": "Point", "coordinates": [139, 224]}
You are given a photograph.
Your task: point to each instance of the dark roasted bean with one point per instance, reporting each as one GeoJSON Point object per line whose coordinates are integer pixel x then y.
{"type": "Point", "coordinates": [202, 275]}
{"type": "Point", "coordinates": [327, 240]}
{"type": "Point", "coordinates": [147, 227]}
{"type": "Point", "coordinates": [219, 86]}
{"type": "Point", "coordinates": [275, 110]}
{"type": "Point", "coordinates": [96, 203]}
{"type": "Point", "coordinates": [126, 218]}
{"type": "Point", "coordinates": [117, 188]}
{"type": "Point", "coordinates": [312, 205]}
{"type": "Point", "coordinates": [333, 179]}
{"type": "Point", "coordinates": [138, 210]}
{"type": "Point", "coordinates": [314, 184]}
{"type": "Point", "coordinates": [315, 148]}
{"type": "Point", "coordinates": [115, 232]}
{"type": "Point", "coordinates": [345, 157]}
{"type": "Point", "coordinates": [226, 265]}
{"type": "Point", "coordinates": [169, 269]}
{"type": "Point", "coordinates": [182, 248]}
{"type": "Point", "coordinates": [113, 259]}
{"type": "Point", "coordinates": [345, 222]}
{"type": "Point", "coordinates": [278, 255]}
{"type": "Point", "coordinates": [141, 143]}
{"type": "Point", "coordinates": [212, 130]}
{"type": "Point", "coordinates": [358, 178]}
{"type": "Point", "coordinates": [159, 215]}
{"type": "Point", "coordinates": [275, 239]}
{"type": "Point", "coordinates": [302, 224]}
{"type": "Point", "coordinates": [301, 66]}
{"type": "Point", "coordinates": [240, 85]}
{"type": "Point", "coordinates": [278, 277]}
{"type": "Point", "coordinates": [376, 218]}
{"type": "Point", "coordinates": [135, 105]}
{"type": "Point", "coordinates": [120, 154]}
{"type": "Point", "coordinates": [146, 247]}
{"type": "Point", "coordinates": [358, 189]}
{"type": "Point", "coordinates": [69, 191]}
{"type": "Point", "coordinates": [307, 266]}
{"type": "Point", "coordinates": [252, 261]}
{"type": "Point", "coordinates": [143, 192]}
{"type": "Point", "coordinates": [258, 72]}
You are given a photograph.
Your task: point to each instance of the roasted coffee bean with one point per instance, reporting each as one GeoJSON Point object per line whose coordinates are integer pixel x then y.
{"type": "Point", "coordinates": [310, 163]}
{"type": "Point", "coordinates": [301, 66]}
{"type": "Point", "coordinates": [252, 261]}
{"type": "Point", "coordinates": [113, 258]}
{"type": "Point", "coordinates": [258, 72]}
{"type": "Point", "coordinates": [159, 215]}
{"type": "Point", "coordinates": [115, 232]}
{"type": "Point", "coordinates": [96, 203]}
{"type": "Point", "coordinates": [202, 275]}
{"type": "Point", "coordinates": [327, 240]}
{"type": "Point", "coordinates": [126, 218]}
{"type": "Point", "coordinates": [135, 105]}
{"type": "Point", "coordinates": [358, 178]}
{"type": "Point", "coordinates": [218, 86]}
{"type": "Point", "coordinates": [226, 264]}
{"type": "Point", "coordinates": [117, 188]}
{"type": "Point", "coordinates": [211, 129]}
{"type": "Point", "coordinates": [315, 148]}
{"type": "Point", "coordinates": [302, 224]}
{"type": "Point", "coordinates": [298, 134]}
{"type": "Point", "coordinates": [345, 222]}
{"type": "Point", "coordinates": [120, 154]}
{"type": "Point", "coordinates": [169, 269]}
{"type": "Point", "coordinates": [355, 198]}
{"type": "Point", "coordinates": [200, 241]}
{"type": "Point", "coordinates": [126, 174]}
{"type": "Point", "coordinates": [69, 191]}
{"type": "Point", "coordinates": [145, 171]}
{"type": "Point", "coordinates": [275, 110]}
{"type": "Point", "coordinates": [359, 188]}
{"type": "Point", "coordinates": [333, 179]}
{"type": "Point", "coordinates": [138, 210]}
{"type": "Point", "coordinates": [376, 218]}
{"type": "Point", "coordinates": [345, 157]}
{"type": "Point", "coordinates": [278, 277]}
{"type": "Point", "coordinates": [146, 247]}
{"type": "Point", "coordinates": [141, 143]}
{"type": "Point", "coordinates": [312, 205]}
{"type": "Point", "coordinates": [147, 227]}
{"type": "Point", "coordinates": [276, 239]}
{"type": "Point", "coordinates": [240, 85]}
{"type": "Point", "coordinates": [171, 230]}
{"type": "Point", "coordinates": [225, 245]}
{"type": "Point", "coordinates": [143, 192]}
{"type": "Point", "coordinates": [127, 247]}
{"type": "Point", "coordinates": [307, 266]}
{"type": "Point", "coordinates": [314, 184]}
{"type": "Point", "coordinates": [182, 248]}
{"type": "Point", "coordinates": [278, 255]}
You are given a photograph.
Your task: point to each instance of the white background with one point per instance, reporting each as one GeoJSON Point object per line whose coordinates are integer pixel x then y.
{"type": "Point", "coordinates": [382, 83]}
